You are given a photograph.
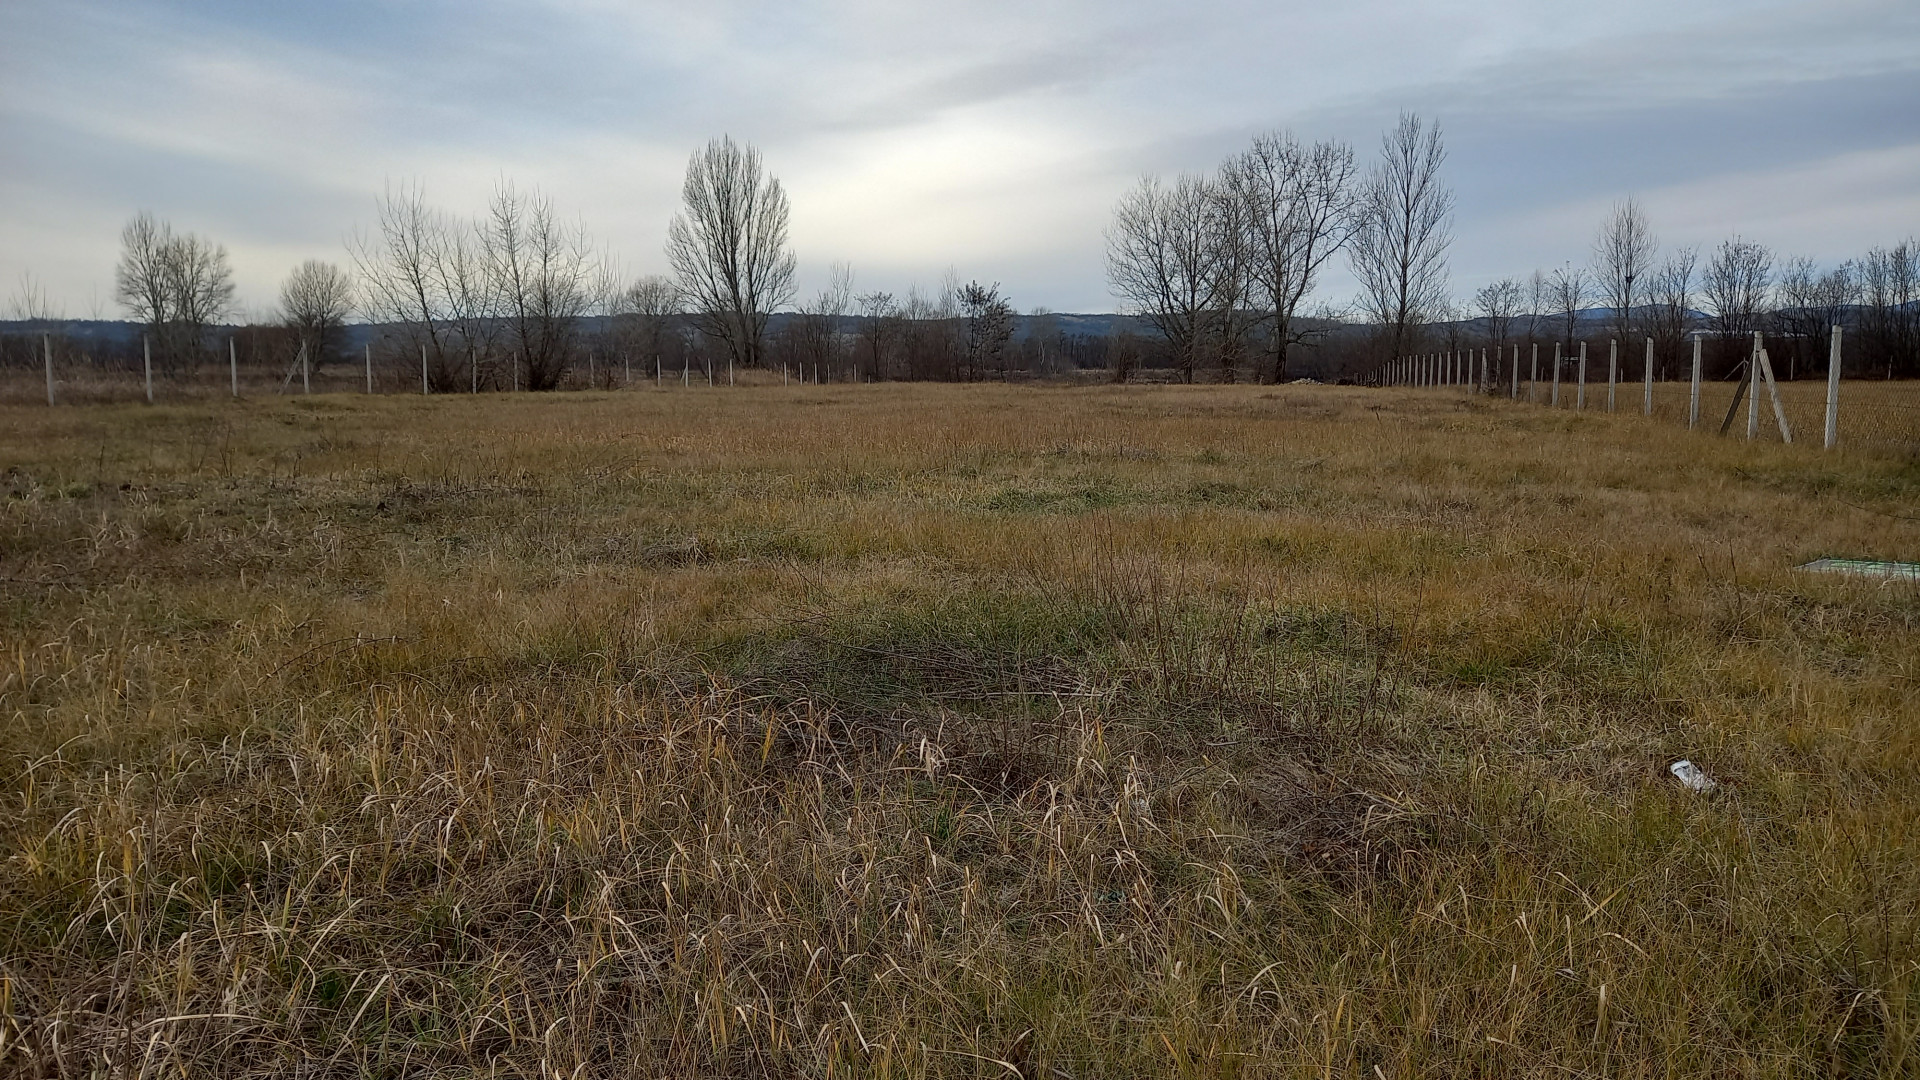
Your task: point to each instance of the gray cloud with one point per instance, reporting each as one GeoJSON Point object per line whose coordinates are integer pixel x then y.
{"type": "Point", "coordinates": [983, 135]}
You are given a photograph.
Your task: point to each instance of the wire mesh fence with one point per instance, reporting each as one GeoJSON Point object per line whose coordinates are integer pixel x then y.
{"type": "Point", "coordinates": [1870, 412]}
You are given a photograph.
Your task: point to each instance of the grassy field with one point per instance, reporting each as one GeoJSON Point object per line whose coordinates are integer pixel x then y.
{"type": "Point", "coordinates": [920, 730]}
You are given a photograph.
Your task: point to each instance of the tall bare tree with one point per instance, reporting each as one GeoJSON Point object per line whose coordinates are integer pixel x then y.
{"type": "Point", "coordinates": [471, 299]}
{"type": "Point", "coordinates": [544, 278]}
{"type": "Point", "coordinates": [930, 333]}
{"type": "Point", "coordinates": [1811, 303]}
{"type": "Point", "coordinates": [1230, 322]}
{"type": "Point", "coordinates": [818, 327]}
{"type": "Point", "coordinates": [178, 285]}
{"type": "Point", "coordinates": [402, 282]}
{"type": "Point", "coordinates": [1499, 305]}
{"type": "Point", "coordinates": [1735, 286]}
{"type": "Point", "coordinates": [1622, 253]}
{"type": "Point", "coordinates": [1569, 289]}
{"type": "Point", "coordinates": [30, 302]}
{"type": "Point", "coordinates": [1890, 308]}
{"type": "Point", "coordinates": [1402, 228]}
{"type": "Point", "coordinates": [1672, 296]}
{"type": "Point", "coordinates": [1536, 302]}
{"type": "Point", "coordinates": [728, 246]}
{"type": "Point", "coordinates": [140, 280]}
{"type": "Point", "coordinates": [315, 300]}
{"type": "Point", "coordinates": [879, 332]}
{"type": "Point", "coordinates": [1043, 340]}
{"type": "Point", "coordinates": [1299, 203]}
{"type": "Point", "coordinates": [202, 285]}
{"type": "Point", "coordinates": [648, 308]}
{"type": "Point", "coordinates": [1161, 259]}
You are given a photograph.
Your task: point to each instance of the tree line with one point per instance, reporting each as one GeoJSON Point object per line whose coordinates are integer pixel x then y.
{"type": "Point", "coordinates": [1724, 295]}
{"type": "Point", "coordinates": [1223, 265]}
{"type": "Point", "coordinates": [1221, 269]}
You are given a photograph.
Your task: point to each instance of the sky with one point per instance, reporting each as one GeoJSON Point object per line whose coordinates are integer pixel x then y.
{"type": "Point", "coordinates": [980, 138]}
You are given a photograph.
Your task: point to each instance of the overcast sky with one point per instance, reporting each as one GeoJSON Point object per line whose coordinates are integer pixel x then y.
{"type": "Point", "coordinates": [991, 138]}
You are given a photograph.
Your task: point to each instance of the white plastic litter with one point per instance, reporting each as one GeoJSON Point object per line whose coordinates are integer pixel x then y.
{"type": "Point", "coordinates": [1690, 775]}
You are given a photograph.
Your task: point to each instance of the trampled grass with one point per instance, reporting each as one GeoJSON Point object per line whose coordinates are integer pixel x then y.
{"type": "Point", "coordinates": [952, 731]}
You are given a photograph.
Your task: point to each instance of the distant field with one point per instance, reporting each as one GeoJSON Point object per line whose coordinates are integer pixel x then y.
{"type": "Point", "coordinates": [916, 730]}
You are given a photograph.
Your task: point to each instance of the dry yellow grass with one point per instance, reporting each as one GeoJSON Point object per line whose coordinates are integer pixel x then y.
{"type": "Point", "coordinates": [954, 731]}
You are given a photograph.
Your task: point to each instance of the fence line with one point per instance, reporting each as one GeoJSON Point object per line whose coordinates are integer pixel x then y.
{"type": "Point", "coordinates": [1876, 411]}
{"type": "Point", "coordinates": [74, 375]}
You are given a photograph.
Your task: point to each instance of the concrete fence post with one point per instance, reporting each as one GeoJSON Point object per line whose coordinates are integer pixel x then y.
{"type": "Point", "coordinates": [1533, 373]}
{"type": "Point", "coordinates": [146, 350]}
{"type": "Point", "coordinates": [1693, 399]}
{"type": "Point", "coordinates": [233, 366]}
{"type": "Point", "coordinates": [1833, 390]}
{"type": "Point", "coordinates": [1555, 400]}
{"type": "Point", "coordinates": [369, 356]}
{"type": "Point", "coordinates": [46, 346]}
{"type": "Point", "coordinates": [1613, 370]}
{"type": "Point", "coordinates": [1580, 399]}
{"type": "Point", "coordinates": [1753, 389]}
{"type": "Point", "coordinates": [424, 388]}
{"type": "Point", "coordinates": [1646, 408]}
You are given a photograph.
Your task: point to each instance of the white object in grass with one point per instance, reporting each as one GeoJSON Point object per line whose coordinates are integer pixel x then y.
{"type": "Point", "coordinates": [1690, 775]}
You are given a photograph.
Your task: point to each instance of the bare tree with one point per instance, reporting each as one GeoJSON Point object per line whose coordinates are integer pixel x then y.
{"type": "Point", "coordinates": [1499, 304]}
{"type": "Point", "coordinates": [728, 246]}
{"type": "Point", "coordinates": [1043, 340]}
{"type": "Point", "coordinates": [880, 333]}
{"type": "Point", "coordinates": [1890, 308]}
{"type": "Point", "coordinates": [1299, 203]}
{"type": "Point", "coordinates": [1568, 287]}
{"type": "Point", "coordinates": [176, 284]}
{"type": "Point", "coordinates": [140, 280]}
{"type": "Point", "coordinates": [1451, 321]}
{"type": "Point", "coordinates": [1538, 293]}
{"type": "Point", "coordinates": [30, 302]}
{"type": "Point", "coordinates": [202, 285]}
{"type": "Point", "coordinates": [544, 278]}
{"type": "Point", "coordinates": [1161, 261]}
{"type": "Point", "coordinates": [471, 301]}
{"type": "Point", "coordinates": [818, 326]}
{"type": "Point", "coordinates": [1622, 252]}
{"type": "Point", "coordinates": [1229, 323]}
{"type": "Point", "coordinates": [1402, 229]}
{"type": "Point", "coordinates": [315, 301]}
{"type": "Point", "coordinates": [402, 283]}
{"type": "Point", "coordinates": [930, 345]}
{"type": "Point", "coordinates": [1123, 353]}
{"type": "Point", "coordinates": [648, 307]}
{"type": "Point", "coordinates": [1672, 294]}
{"type": "Point", "coordinates": [1811, 303]}
{"type": "Point", "coordinates": [1735, 288]}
